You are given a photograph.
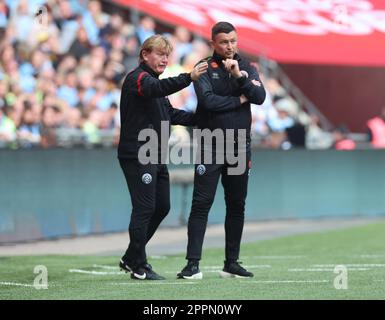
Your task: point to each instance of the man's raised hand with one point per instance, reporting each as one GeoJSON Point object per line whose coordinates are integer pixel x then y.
{"type": "Point", "coordinates": [232, 67]}
{"type": "Point", "coordinates": [198, 70]}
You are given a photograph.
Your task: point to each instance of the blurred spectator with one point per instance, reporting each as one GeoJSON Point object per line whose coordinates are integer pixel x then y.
{"type": "Point", "coordinates": [79, 6]}
{"type": "Point", "coordinates": [68, 90]}
{"type": "Point", "coordinates": [145, 29]}
{"type": "Point", "coordinates": [7, 128]}
{"type": "Point", "coordinates": [275, 89]}
{"type": "Point", "coordinates": [114, 24]}
{"type": "Point", "coordinates": [67, 63]}
{"type": "Point", "coordinates": [173, 69]}
{"type": "Point", "coordinates": [296, 136]}
{"type": "Point", "coordinates": [97, 60]}
{"type": "Point", "coordinates": [178, 100]}
{"type": "Point", "coordinates": [51, 120]}
{"type": "Point", "coordinates": [4, 88]}
{"type": "Point", "coordinates": [282, 119]}
{"type": "Point", "coordinates": [72, 119]}
{"type": "Point", "coordinates": [200, 50]}
{"type": "Point", "coordinates": [108, 120]}
{"type": "Point", "coordinates": [23, 21]}
{"type": "Point", "coordinates": [90, 127]}
{"type": "Point", "coordinates": [341, 141]}
{"type": "Point", "coordinates": [81, 46]}
{"type": "Point", "coordinates": [40, 62]}
{"type": "Point", "coordinates": [60, 81]}
{"type": "Point", "coordinates": [131, 52]}
{"type": "Point", "coordinates": [183, 45]}
{"type": "Point", "coordinates": [68, 22]}
{"type": "Point", "coordinates": [94, 20]}
{"type": "Point", "coordinates": [4, 14]}
{"type": "Point", "coordinates": [45, 35]}
{"type": "Point", "coordinates": [103, 98]}
{"type": "Point", "coordinates": [86, 88]}
{"type": "Point", "coordinates": [316, 137]}
{"type": "Point", "coordinates": [260, 115]}
{"type": "Point", "coordinates": [115, 71]}
{"type": "Point", "coordinates": [376, 128]}
{"type": "Point", "coordinates": [28, 131]}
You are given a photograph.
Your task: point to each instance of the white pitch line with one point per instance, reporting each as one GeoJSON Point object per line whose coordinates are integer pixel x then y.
{"type": "Point", "coordinates": [219, 268]}
{"type": "Point", "coordinates": [324, 269]}
{"type": "Point", "coordinates": [291, 281]}
{"type": "Point", "coordinates": [99, 273]}
{"type": "Point", "coordinates": [246, 266]}
{"type": "Point", "coordinates": [367, 265]}
{"type": "Point", "coordinates": [155, 283]}
{"type": "Point", "coordinates": [105, 267]}
{"type": "Point", "coordinates": [158, 257]}
{"type": "Point", "coordinates": [371, 256]}
{"type": "Point", "coordinates": [274, 257]}
{"type": "Point", "coordinates": [16, 284]}
{"type": "Point", "coordinates": [204, 271]}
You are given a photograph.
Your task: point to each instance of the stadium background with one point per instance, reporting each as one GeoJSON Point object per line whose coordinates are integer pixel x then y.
{"type": "Point", "coordinates": [60, 77]}
{"type": "Point", "coordinates": [60, 92]}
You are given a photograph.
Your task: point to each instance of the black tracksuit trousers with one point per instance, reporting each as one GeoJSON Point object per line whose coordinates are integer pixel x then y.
{"type": "Point", "coordinates": [205, 185]}
{"type": "Point", "coordinates": [149, 187]}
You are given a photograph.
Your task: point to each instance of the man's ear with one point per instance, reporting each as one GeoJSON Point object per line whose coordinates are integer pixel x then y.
{"type": "Point", "coordinates": [211, 42]}
{"type": "Point", "coordinates": [144, 54]}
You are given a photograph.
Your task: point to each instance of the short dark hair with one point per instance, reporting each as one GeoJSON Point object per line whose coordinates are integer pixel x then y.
{"type": "Point", "coordinates": [221, 27]}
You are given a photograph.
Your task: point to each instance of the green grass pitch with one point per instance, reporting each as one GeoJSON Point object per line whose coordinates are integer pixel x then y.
{"type": "Point", "coordinates": [295, 267]}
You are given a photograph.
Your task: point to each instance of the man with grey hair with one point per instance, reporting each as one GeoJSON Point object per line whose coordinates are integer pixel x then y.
{"type": "Point", "coordinates": [144, 106]}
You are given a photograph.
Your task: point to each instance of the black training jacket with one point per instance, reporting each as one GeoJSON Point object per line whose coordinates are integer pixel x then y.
{"type": "Point", "coordinates": [218, 95]}
{"type": "Point", "coordinates": [143, 104]}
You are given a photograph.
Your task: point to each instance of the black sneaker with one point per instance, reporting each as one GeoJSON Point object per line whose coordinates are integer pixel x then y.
{"type": "Point", "coordinates": [234, 269]}
{"type": "Point", "coordinates": [124, 265]}
{"type": "Point", "coordinates": [145, 272]}
{"type": "Point", "coordinates": [191, 271]}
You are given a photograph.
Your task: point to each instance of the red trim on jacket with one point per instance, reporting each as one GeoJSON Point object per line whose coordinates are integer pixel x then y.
{"type": "Point", "coordinates": [138, 82]}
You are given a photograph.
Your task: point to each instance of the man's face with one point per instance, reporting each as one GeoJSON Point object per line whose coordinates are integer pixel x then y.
{"type": "Point", "coordinates": [225, 44]}
{"type": "Point", "coordinates": [156, 59]}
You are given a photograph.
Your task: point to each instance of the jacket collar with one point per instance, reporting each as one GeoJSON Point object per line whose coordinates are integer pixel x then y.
{"type": "Point", "coordinates": [145, 67]}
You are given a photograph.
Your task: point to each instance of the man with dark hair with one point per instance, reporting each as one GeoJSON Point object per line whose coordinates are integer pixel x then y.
{"type": "Point", "coordinates": [224, 96]}
{"type": "Point", "coordinates": [144, 106]}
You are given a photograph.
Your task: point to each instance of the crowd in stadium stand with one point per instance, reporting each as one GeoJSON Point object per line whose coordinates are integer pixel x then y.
{"type": "Point", "coordinates": [60, 78]}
